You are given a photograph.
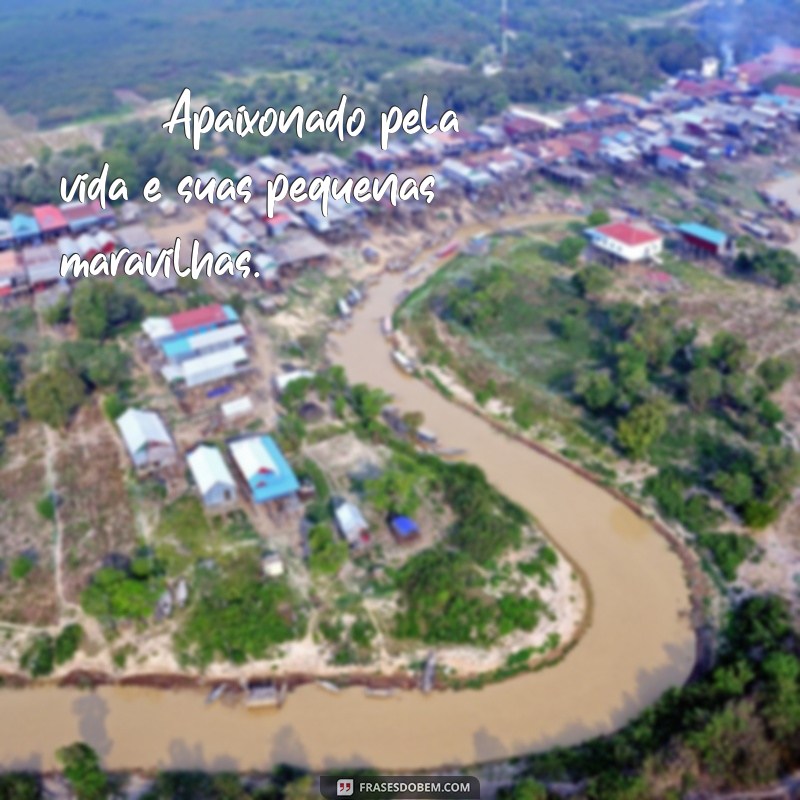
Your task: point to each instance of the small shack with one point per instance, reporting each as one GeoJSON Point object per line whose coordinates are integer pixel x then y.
{"type": "Point", "coordinates": [351, 523]}
{"type": "Point", "coordinates": [146, 439]}
{"type": "Point", "coordinates": [404, 528]}
{"type": "Point", "coordinates": [272, 565]}
{"type": "Point", "coordinates": [702, 240]}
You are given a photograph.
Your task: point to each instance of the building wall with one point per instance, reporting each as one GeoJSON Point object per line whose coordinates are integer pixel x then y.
{"type": "Point", "coordinates": [158, 455]}
{"type": "Point", "coordinates": [211, 375]}
{"type": "Point", "coordinates": [219, 495]}
{"type": "Point", "coordinates": [640, 252]}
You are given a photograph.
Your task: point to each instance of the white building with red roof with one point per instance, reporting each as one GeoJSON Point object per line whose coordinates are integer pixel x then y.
{"type": "Point", "coordinates": [626, 242]}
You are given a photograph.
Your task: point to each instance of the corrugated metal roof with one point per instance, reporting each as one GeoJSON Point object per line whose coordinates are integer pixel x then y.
{"type": "Point", "coordinates": [186, 345]}
{"type": "Point", "coordinates": [703, 232]}
{"type": "Point", "coordinates": [208, 468]}
{"type": "Point", "coordinates": [261, 462]}
{"type": "Point", "coordinates": [193, 368]}
{"type": "Point", "coordinates": [140, 428]}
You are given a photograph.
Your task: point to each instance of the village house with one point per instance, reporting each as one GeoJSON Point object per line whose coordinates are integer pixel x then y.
{"type": "Point", "coordinates": [12, 272]}
{"type": "Point", "coordinates": [146, 439]}
{"type": "Point", "coordinates": [42, 265]}
{"type": "Point", "coordinates": [193, 345]}
{"type": "Point", "coordinates": [373, 158]}
{"type": "Point", "coordinates": [6, 234]}
{"type": "Point", "coordinates": [218, 365]}
{"type": "Point", "coordinates": [51, 221]}
{"type": "Point", "coordinates": [25, 229]}
{"type": "Point", "coordinates": [161, 330]}
{"type": "Point", "coordinates": [300, 252]}
{"type": "Point", "coordinates": [136, 237]}
{"type": "Point", "coordinates": [263, 467]}
{"type": "Point", "coordinates": [471, 179]}
{"type": "Point", "coordinates": [704, 241]}
{"type": "Point", "coordinates": [625, 242]}
{"type": "Point", "coordinates": [85, 216]}
{"type": "Point", "coordinates": [351, 523]}
{"type": "Point", "coordinates": [212, 477]}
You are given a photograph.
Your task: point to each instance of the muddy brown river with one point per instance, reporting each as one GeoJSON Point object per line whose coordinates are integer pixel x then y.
{"type": "Point", "coordinates": [638, 645]}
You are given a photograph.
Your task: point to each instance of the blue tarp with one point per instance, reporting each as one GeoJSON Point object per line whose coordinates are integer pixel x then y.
{"type": "Point", "coordinates": [404, 526]}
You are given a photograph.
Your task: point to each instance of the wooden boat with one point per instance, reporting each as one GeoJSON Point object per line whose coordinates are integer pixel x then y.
{"type": "Point", "coordinates": [403, 361]}
{"type": "Point", "coordinates": [216, 693]}
{"type": "Point", "coordinates": [381, 694]}
{"type": "Point", "coordinates": [265, 695]}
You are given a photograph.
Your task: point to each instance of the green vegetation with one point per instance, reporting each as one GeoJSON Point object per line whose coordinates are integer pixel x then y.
{"type": "Point", "coordinates": [46, 508]}
{"type": "Point", "coordinates": [328, 552]}
{"type": "Point", "coordinates": [98, 309]}
{"type": "Point", "coordinates": [124, 594]}
{"type": "Point", "coordinates": [776, 266]}
{"type": "Point", "coordinates": [736, 728]}
{"type": "Point", "coordinates": [633, 377]}
{"type": "Point", "coordinates": [304, 51]}
{"type": "Point", "coordinates": [239, 616]}
{"type": "Point", "coordinates": [729, 551]}
{"type": "Point", "coordinates": [44, 653]}
{"type": "Point", "coordinates": [21, 567]}
{"type": "Point", "coordinates": [82, 770]}
{"type": "Point", "coordinates": [53, 395]}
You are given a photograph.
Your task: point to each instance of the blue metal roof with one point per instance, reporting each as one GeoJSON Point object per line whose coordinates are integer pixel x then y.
{"type": "Point", "coordinates": [24, 225]}
{"type": "Point", "coordinates": [715, 237]}
{"type": "Point", "coordinates": [276, 484]}
{"type": "Point", "coordinates": [175, 348]}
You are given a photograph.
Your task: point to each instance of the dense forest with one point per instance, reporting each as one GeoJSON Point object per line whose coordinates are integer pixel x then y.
{"type": "Point", "coordinates": [558, 50]}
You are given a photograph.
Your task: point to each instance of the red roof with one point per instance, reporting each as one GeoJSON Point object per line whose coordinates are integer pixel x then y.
{"type": "Point", "coordinates": [78, 211]}
{"type": "Point", "coordinates": [198, 317]}
{"type": "Point", "coordinates": [278, 218]}
{"type": "Point", "coordinates": [670, 152]}
{"type": "Point", "coordinates": [627, 234]}
{"type": "Point", "coordinates": [788, 91]}
{"type": "Point", "coordinates": [783, 56]}
{"type": "Point", "coordinates": [49, 218]}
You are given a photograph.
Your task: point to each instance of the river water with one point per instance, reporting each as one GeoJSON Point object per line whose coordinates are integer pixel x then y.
{"type": "Point", "coordinates": [638, 645]}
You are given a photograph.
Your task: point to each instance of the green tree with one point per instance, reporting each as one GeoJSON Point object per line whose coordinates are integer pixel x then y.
{"type": "Point", "coordinates": [592, 280]}
{"type": "Point", "coordinates": [53, 396]}
{"type": "Point", "coordinates": [67, 643]}
{"type": "Point", "coordinates": [704, 385]}
{"type": "Point", "coordinates": [569, 249]}
{"type": "Point", "coordinates": [596, 390]}
{"type": "Point", "coordinates": [598, 217]}
{"type": "Point", "coordinates": [327, 553]}
{"type": "Point", "coordinates": [774, 372]}
{"type": "Point", "coordinates": [525, 789]}
{"type": "Point", "coordinates": [729, 352]}
{"type": "Point", "coordinates": [642, 428]}
{"type": "Point", "coordinates": [83, 771]}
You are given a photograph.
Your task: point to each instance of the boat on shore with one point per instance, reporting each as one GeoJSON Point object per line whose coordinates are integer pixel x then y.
{"type": "Point", "coordinates": [381, 694]}
{"type": "Point", "coordinates": [403, 361]}
{"type": "Point", "coordinates": [265, 695]}
{"type": "Point", "coordinates": [328, 686]}
{"type": "Point", "coordinates": [216, 693]}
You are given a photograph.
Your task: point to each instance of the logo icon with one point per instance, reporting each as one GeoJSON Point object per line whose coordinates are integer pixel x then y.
{"type": "Point", "coordinates": [344, 787]}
